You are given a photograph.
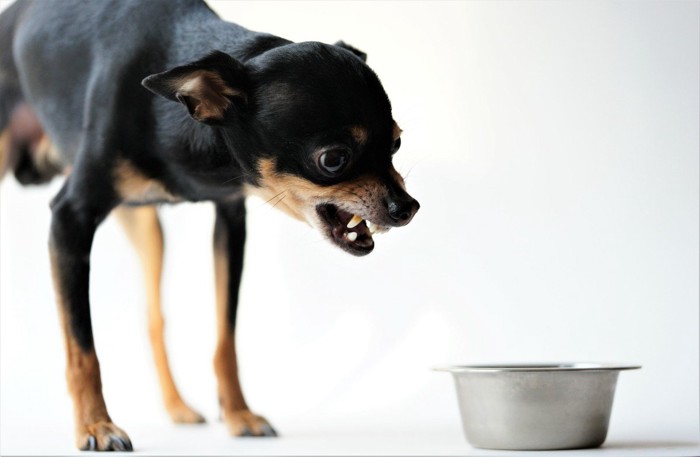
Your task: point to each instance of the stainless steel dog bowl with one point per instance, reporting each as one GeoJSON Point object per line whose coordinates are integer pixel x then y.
{"type": "Point", "coordinates": [536, 407]}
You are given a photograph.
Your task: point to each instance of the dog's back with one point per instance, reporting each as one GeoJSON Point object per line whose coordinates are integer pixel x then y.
{"type": "Point", "coordinates": [62, 60]}
{"type": "Point", "coordinates": [9, 81]}
{"type": "Point", "coordinates": [73, 72]}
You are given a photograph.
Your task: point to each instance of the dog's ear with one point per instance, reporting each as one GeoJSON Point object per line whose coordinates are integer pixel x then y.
{"type": "Point", "coordinates": [207, 87]}
{"type": "Point", "coordinates": [354, 50]}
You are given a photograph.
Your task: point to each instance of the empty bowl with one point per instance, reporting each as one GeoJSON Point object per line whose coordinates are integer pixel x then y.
{"type": "Point", "coordinates": [536, 407]}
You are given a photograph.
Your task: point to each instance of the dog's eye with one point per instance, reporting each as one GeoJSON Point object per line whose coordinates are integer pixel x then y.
{"type": "Point", "coordinates": [397, 144]}
{"type": "Point", "coordinates": [333, 161]}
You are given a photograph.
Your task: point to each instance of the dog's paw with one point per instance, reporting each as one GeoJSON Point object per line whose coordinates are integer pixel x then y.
{"type": "Point", "coordinates": [245, 423]}
{"type": "Point", "coordinates": [103, 436]}
{"type": "Point", "coordinates": [182, 414]}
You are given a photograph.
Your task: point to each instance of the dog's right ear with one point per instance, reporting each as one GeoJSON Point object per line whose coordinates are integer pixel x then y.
{"type": "Point", "coordinates": [208, 87]}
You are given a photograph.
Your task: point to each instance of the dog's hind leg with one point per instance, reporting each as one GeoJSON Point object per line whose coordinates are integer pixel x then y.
{"type": "Point", "coordinates": [10, 92]}
{"type": "Point", "coordinates": [144, 230]}
{"type": "Point", "coordinates": [10, 98]}
{"type": "Point", "coordinates": [4, 152]}
{"type": "Point", "coordinates": [26, 149]}
{"type": "Point", "coordinates": [229, 240]}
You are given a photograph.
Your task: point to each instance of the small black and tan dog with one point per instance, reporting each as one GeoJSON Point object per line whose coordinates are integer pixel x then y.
{"type": "Point", "coordinates": [141, 103]}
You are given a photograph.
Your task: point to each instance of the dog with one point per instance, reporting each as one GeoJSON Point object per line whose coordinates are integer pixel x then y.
{"type": "Point", "coordinates": [144, 103]}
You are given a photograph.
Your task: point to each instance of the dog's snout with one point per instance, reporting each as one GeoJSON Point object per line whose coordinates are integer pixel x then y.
{"type": "Point", "coordinates": [402, 210]}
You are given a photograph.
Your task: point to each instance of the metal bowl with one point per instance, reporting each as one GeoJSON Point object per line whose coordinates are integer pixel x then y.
{"type": "Point", "coordinates": [536, 407]}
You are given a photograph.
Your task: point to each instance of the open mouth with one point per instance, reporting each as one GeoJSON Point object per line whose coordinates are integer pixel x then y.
{"type": "Point", "coordinates": [349, 231]}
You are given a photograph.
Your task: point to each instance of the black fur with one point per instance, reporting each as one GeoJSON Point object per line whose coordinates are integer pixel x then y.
{"type": "Point", "coordinates": [104, 80]}
{"type": "Point", "coordinates": [229, 239]}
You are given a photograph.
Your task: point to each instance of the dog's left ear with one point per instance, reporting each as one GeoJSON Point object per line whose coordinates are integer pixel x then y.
{"type": "Point", "coordinates": [354, 50]}
{"type": "Point", "coordinates": [207, 87]}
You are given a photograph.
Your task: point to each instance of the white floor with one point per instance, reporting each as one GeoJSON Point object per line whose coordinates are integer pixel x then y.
{"type": "Point", "coordinates": [307, 439]}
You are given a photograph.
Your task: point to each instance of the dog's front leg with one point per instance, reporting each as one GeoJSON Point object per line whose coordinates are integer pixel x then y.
{"type": "Point", "coordinates": [73, 226]}
{"type": "Point", "coordinates": [143, 227]}
{"type": "Point", "coordinates": [229, 240]}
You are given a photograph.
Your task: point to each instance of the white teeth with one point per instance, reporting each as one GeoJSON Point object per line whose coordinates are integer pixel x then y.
{"type": "Point", "coordinates": [355, 221]}
{"type": "Point", "coordinates": [352, 236]}
{"type": "Point", "coordinates": [372, 228]}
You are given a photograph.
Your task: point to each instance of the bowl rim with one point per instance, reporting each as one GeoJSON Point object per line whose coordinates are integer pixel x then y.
{"type": "Point", "coordinates": [536, 367]}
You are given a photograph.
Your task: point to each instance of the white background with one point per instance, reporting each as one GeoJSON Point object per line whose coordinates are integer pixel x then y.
{"type": "Point", "coordinates": [553, 147]}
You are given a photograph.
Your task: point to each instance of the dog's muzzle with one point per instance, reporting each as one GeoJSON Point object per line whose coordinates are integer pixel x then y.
{"type": "Point", "coordinates": [401, 209]}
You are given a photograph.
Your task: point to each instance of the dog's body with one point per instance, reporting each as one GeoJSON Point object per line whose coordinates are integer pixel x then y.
{"type": "Point", "coordinates": [306, 125]}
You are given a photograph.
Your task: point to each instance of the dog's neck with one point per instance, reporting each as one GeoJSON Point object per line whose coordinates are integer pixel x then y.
{"type": "Point", "coordinates": [201, 31]}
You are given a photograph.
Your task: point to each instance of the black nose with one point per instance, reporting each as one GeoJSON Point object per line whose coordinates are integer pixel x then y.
{"type": "Point", "coordinates": [402, 211]}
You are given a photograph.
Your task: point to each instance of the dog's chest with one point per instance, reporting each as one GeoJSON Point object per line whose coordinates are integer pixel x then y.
{"type": "Point", "coordinates": [133, 187]}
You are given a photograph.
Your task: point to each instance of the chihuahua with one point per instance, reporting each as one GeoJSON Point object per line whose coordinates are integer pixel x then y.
{"type": "Point", "coordinates": [144, 103]}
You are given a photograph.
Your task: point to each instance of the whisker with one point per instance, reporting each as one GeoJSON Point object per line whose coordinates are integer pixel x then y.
{"type": "Point", "coordinates": [274, 197]}
{"type": "Point", "coordinates": [235, 178]}
{"type": "Point", "coordinates": [405, 177]}
{"type": "Point", "coordinates": [269, 202]}
{"type": "Point", "coordinates": [282, 198]}
{"type": "Point", "coordinates": [348, 191]}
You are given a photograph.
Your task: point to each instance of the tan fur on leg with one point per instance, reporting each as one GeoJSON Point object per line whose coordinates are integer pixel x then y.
{"type": "Point", "coordinates": [239, 419]}
{"type": "Point", "coordinates": [144, 230]}
{"type": "Point", "coordinates": [225, 361]}
{"type": "Point", "coordinates": [94, 429]}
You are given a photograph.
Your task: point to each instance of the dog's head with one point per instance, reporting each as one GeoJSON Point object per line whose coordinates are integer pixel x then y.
{"type": "Point", "coordinates": [313, 126]}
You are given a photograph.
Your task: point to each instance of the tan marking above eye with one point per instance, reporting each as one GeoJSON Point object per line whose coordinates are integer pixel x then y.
{"type": "Point", "coordinates": [359, 133]}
